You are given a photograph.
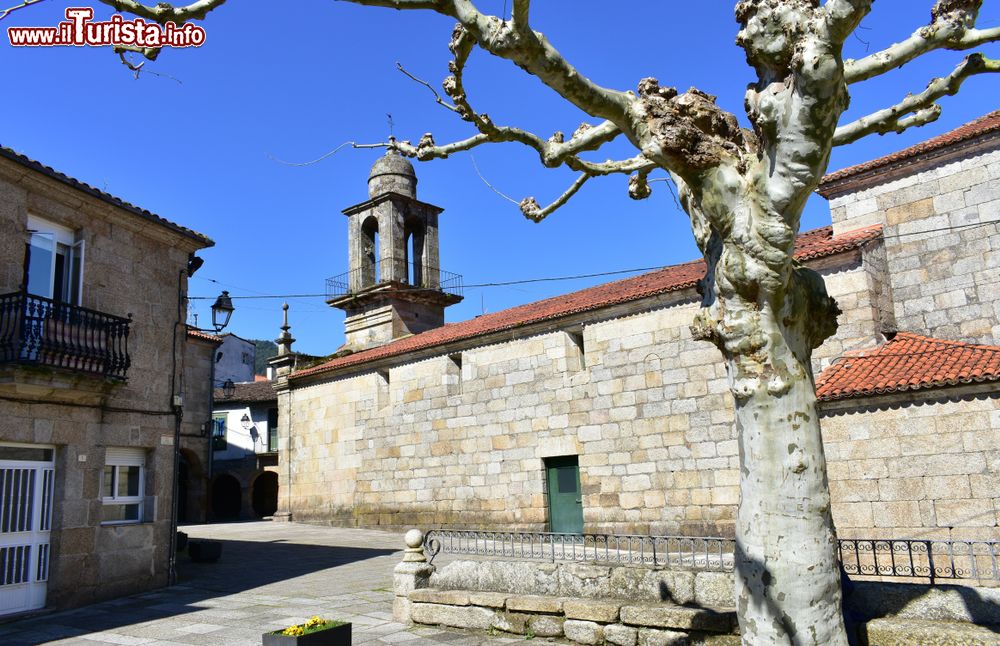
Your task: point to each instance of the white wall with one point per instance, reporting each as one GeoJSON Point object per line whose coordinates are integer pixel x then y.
{"type": "Point", "coordinates": [238, 439]}
{"type": "Point", "coordinates": [233, 365]}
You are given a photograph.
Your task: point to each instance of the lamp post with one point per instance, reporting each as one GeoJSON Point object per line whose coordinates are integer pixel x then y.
{"type": "Point", "coordinates": [222, 309]}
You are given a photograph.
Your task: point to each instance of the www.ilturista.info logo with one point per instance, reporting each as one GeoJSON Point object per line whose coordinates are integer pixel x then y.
{"type": "Point", "coordinates": [78, 30]}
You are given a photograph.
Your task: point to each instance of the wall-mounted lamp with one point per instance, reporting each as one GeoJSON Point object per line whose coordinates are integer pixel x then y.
{"type": "Point", "coordinates": [228, 389]}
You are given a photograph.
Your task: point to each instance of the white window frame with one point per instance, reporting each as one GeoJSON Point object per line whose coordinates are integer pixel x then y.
{"type": "Point", "coordinates": [117, 457]}
{"type": "Point", "coordinates": [60, 239]}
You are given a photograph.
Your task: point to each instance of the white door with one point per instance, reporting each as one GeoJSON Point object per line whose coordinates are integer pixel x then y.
{"type": "Point", "coordinates": [25, 524]}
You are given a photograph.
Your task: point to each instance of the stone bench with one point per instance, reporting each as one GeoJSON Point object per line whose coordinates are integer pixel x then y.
{"type": "Point", "coordinates": [585, 621]}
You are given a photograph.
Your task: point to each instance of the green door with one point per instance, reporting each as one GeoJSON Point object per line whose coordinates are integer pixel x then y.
{"type": "Point", "coordinates": [565, 497]}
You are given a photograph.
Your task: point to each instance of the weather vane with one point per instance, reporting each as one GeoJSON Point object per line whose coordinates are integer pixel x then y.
{"type": "Point", "coordinates": [391, 124]}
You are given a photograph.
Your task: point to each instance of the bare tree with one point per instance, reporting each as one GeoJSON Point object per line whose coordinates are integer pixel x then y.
{"type": "Point", "coordinates": [744, 191]}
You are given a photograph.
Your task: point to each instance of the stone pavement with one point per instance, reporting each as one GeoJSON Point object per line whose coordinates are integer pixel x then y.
{"type": "Point", "coordinates": [271, 575]}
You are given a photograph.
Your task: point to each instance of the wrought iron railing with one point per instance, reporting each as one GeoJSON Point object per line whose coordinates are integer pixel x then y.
{"type": "Point", "coordinates": [389, 270]}
{"type": "Point", "coordinates": [902, 558]}
{"type": "Point", "coordinates": [695, 553]}
{"type": "Point", "coordinates": [923, 559]}
{"type": "Point", "coordinates": [40, 331]}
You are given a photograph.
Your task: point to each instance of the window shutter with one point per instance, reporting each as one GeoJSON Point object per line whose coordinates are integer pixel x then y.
{"type": "Point", "coordinates": [127, 457]}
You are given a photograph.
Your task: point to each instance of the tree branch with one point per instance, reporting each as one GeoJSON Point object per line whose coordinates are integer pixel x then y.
{"type": "Point", "coordinates": [163, 12]}
{"type": "Point", "coordinates": [519, 17]}
{"type": "Point", "coordinates": [844, 16]}
{"type": "Point", "coordinates": [437, 97]}
{"type": "Point", "coordinates": [553, 152]}
{"type": "Point", "coordinates": [26, 3]}
{"type": "Point", "coordinates": [149, 53]}
{"type": "Point", "coordinates": [922, 106]}
{"type": "Point", "coordinates": [531, 210]}
{"type": "Point", "coordinates": [952, 27]}
{"type": "Point", "coordinates": [528, 49]}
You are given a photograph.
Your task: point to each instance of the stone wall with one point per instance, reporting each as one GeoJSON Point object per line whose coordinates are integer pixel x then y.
{"type": "Point", "coordinates": [458, 438]}
{"type": "Point", "coordinates": [135, 267]}
{"type": "Point", "coordinates": [196, 447]}
{"type": "Point", "coordinates": [924, 465]}
{"type": "Point", "coordinates": [944, 282]}
{"type": "Point", "coordinates": [598, 603]}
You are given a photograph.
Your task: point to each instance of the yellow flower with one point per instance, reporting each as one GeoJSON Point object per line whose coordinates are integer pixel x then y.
{"type": "Point", "coordinates": [300, 629]}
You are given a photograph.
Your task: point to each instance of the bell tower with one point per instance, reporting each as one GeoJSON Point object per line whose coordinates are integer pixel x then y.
{"type": "Point", "coordinates": [394, 286]}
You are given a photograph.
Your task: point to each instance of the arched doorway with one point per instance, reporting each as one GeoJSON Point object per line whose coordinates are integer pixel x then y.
{"type": "Point", "coordinates": [191, 483]}
{"type": "Point", "coordinates": [226, 497]}
{"type": "Point", "coordinates": [265, 494]}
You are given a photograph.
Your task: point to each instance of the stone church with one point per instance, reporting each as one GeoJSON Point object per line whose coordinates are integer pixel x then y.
{"type": "Point", "coordinates": [596, 411]}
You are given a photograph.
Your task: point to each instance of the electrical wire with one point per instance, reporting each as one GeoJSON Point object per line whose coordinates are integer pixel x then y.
{"type": "Point", "coordinates": [527, 281]}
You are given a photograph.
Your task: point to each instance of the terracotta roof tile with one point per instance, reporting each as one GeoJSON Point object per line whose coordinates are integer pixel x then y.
{"type": "Point", "coordinates": [247, 393]}
{"type": "Point", "coordinates": [908, 362]}
{"type": "Point", "coordinates": [986, 124]}
{"type": "Point", "coordinates": [101, 195]}
{"type": "Point", "coordinates": [204, 336]}
{"type": "Point", "coordinates": [809, 245]}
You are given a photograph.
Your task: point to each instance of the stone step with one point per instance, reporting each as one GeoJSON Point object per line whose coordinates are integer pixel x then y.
{"type": "Point", "coordinates": [678, 617]}
{"type": "Point", "coordinates": [918, 632]}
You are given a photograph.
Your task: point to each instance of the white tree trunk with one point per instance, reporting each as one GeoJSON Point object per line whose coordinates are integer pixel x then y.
{"type": "Point", "coordinates": [787, 576]}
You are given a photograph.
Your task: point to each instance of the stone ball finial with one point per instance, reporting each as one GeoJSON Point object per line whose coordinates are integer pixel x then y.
{"type": "Point", "coordinates": [392, 173]}
{"type": "Point", "coordinates": [414, 538]}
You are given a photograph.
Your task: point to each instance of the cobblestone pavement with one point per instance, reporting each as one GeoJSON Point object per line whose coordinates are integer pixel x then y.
{"type": "Point", "coordinates": [271, 575]}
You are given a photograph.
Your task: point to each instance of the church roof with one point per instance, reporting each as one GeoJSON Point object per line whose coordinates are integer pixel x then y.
{"type": "Point", "coordinates": [984, 125]}
{"type": "Point", "coordinates": [809, 245]}
{"type": "Point", "coordinates": [908, 362]}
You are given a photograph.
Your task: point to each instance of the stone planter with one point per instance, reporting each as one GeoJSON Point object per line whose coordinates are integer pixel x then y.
{"type": "Point", "coordinates": [337, 636]}
{"type": "Point", "coordinates": [204, 551]}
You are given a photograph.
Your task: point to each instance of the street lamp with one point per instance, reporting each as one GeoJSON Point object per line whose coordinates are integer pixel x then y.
{"type": "Point", "coordinates": [228, 388]}
{"type": "Point", "coordinates": [246, 422]}
{"type": "Point", "coordinates": [222, 309]}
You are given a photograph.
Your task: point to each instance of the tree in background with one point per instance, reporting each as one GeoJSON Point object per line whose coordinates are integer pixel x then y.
{"type": "Point", "coordinates": [744, 191]}
{"type": "Point", "coordinates": [265, 350]}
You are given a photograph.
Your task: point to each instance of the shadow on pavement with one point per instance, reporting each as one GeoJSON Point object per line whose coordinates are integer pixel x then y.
{"type": "Point", "coordinates": [252, 564]}
{"type": "Point", "coordinates": [244, 565]}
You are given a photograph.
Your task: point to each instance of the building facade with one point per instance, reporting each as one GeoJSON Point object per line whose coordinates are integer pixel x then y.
{"type": "Point", "coordinates": [244, 482]}
{"type": "Point", "coordinates": [598, 411]}
{"type": "Point", "coordinates": [235, 360]}
{"type": "Point", "coordinates": [99, 385]}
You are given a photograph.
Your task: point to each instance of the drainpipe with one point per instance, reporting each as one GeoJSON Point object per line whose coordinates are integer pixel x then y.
{"type": "Point", "coordinates": [178, 417]}
{"type": "Point", "coordinates": [210, 457]}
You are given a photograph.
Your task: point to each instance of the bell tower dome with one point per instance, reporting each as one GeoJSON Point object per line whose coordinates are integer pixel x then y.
{"type": "Point", "coordinates": [394, 286]}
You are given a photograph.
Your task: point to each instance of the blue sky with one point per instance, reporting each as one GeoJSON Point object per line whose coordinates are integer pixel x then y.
{"type": "Point", "coordinates": [293, 80]}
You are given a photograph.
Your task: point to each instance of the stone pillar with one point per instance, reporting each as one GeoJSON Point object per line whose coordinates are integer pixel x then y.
{"type": "Point", "coordinates": [283, 364]}
{"type": "Point", "coordinates": [412, 574]}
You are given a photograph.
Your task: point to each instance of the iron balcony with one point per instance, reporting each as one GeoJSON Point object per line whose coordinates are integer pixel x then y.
{"type": "Point", "coordinates": [41, 332]}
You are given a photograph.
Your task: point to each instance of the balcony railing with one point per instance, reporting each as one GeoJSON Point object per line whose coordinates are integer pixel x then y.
{"type": "Point", "coordinates": [389, 270]}
{"type": "Point", "coordinates": [42, 332]}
